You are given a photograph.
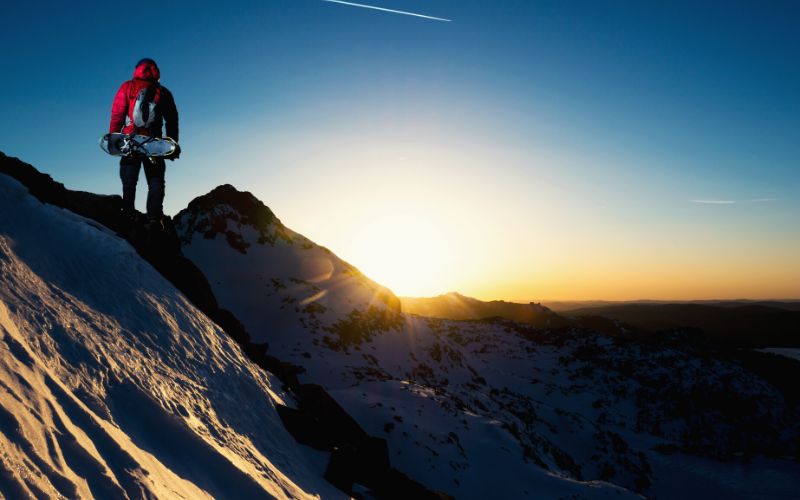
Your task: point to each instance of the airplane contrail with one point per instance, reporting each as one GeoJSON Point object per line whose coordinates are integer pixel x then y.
{"type": "Point", "coordinates": [715, 202]}
{"type": "Point", "coordinates": [373, 7]}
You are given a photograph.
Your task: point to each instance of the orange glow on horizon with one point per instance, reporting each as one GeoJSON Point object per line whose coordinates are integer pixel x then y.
{"type": "Point", "coordinates": [427, 219]}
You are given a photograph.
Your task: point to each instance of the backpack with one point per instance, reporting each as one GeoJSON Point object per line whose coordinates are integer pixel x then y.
{"type": "Point", "coordinates": [143, 105]}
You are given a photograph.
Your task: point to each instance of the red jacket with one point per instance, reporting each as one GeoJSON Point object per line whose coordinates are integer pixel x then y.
{"type": "Point", "coordinates": [146, 74]}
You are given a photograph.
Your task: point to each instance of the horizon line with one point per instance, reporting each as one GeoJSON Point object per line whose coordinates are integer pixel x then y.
{"type": "Point", "coordinates": [526, 301]}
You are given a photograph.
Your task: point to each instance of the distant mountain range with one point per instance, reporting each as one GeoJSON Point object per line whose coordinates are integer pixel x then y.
{"type": "Point", "coordinates": [740, 323]}
{"type": "Point", "coordinates": [571, 305]}
{"type": "Point", "coordinates": [751, 325]}
{"type": "Point", "coordinates": [453, 305]}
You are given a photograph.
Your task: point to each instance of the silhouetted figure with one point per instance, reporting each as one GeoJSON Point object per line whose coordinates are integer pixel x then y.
{"type": "Point", "coordinates": [142, 106]}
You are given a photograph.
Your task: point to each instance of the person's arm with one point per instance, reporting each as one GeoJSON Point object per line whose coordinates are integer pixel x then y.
{"type": "Point", "coordinates": [170, 113]}
{"type": "Point", "coordinates": [119, 110]}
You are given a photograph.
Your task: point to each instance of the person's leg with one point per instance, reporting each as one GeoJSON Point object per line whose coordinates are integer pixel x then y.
{"type": "Point", "coordinates": [154, 170]}
{"type": "Point", "coordinates": [129, 174]}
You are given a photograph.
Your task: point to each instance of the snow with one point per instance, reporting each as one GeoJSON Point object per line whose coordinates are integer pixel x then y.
{"type": "Point", "coordinates": [478, 409]}
{"type": "Point", "coordinates": [283, 278]}
{"type": "Point", "coordinates": [113, 384]}
{"type": "Point", "coordinates": [481, 459]}
{"type": "Point", "coordinates": [760, 479]}
{"type": "Point", "coordinates": [783, 351]}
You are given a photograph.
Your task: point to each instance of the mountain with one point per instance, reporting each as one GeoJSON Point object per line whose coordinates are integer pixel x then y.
{"type": "Point", "coordinates": [495, 408]}
{"type": "Point", "coordinates": [750, 325]}
{"type": "Point", "coordinates": [231, 357]}
{"type": "Point", "coordinates": [564, 306]}
{"type": "Point", "coordinates": [740, 323]}
{"type": "Point", "coordinates": [291, 282]}
{"type": "Point", "coordinates": [350, 459]}
{"type": "Point", "coordinates": [114, 385]}
{"type": "Point", "coordinates": [453, 305]}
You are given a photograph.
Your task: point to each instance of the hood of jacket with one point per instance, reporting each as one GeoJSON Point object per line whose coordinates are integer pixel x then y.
{"type": "Point", "coordinates": [147, 71]}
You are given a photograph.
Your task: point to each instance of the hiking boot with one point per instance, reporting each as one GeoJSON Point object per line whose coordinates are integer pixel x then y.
{"type": "Point", "coordinates": [155, 224]}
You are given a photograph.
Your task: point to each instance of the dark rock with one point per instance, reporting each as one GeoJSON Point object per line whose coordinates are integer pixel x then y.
{"type": "Point", "coordinates": [394, 485]}
{"type": "Point", "coordinates": [285, 371]}
{"type": "Point", "coordinates": [349, 466]}
{"type": "Point", "coordinates": [233, 327]}
{"type": "Point", "coordinates": [356, 457]}
{"type": "Point", "coordinates": [343, 467]}
{"type": "Point", "coordinates": [367, 464]}
{"type": "Point", "coordinates": [304, 428]}
{"type": "Point", "coordinates": [329, 417]}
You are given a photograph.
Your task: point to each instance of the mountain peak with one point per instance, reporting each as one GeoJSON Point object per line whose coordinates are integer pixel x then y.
{"type": "Point", "coordinates": [226, 210]}
{"type": "Point", "coordinates": [243, 202]}
{"type": "Point", "coordinates": [302, 274]}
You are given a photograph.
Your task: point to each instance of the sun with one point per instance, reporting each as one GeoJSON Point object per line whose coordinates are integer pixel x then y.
{"type": "Point", "coordinates": [409, 250]}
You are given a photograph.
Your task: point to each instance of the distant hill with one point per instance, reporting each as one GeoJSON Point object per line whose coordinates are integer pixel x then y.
{"type": "Point", "coordinates": [741, 323]}
{"type": "Point", "coordinates": [455, 306]}
{"type": "Point", "coordinates": [571, 305]}
{"type": "Point", "coordinates": [751, 325]}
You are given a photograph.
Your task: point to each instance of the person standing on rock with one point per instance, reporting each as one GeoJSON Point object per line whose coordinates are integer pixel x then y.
{"type": "Point", "coordinates": [141, 106]}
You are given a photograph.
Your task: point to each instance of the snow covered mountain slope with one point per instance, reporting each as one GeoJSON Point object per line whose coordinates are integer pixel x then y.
{"type": "Point", "coordinates": [113, 385]}
{"type": "Point", "coordinates": [295, 283]}
{"type": "Point", "coordinates": [495, 409]}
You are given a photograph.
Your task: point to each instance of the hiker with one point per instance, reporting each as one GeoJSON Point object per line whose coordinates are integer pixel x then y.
{"type": "Point", "coordinates": [140, 107]}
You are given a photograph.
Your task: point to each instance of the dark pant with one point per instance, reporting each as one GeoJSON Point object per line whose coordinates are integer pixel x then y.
{"type": "Point", "coordinates": [154, 173]}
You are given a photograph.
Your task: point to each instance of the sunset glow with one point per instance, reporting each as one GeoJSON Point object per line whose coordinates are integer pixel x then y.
{"type": "Point", "coordinates": [506, 154]}
{"type": "Point", "coordinates": [411, 249]}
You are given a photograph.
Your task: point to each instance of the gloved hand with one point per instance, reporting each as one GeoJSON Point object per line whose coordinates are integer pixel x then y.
{"type": "Point", "coordinates": [175, 154]}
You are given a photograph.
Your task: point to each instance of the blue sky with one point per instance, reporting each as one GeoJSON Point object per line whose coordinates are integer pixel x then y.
{"type": "Point", "coordinates": [600, 121]}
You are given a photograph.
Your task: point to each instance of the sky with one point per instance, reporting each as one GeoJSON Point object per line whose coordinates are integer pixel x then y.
{"type": "Point", "coordinates": [517, 150]}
